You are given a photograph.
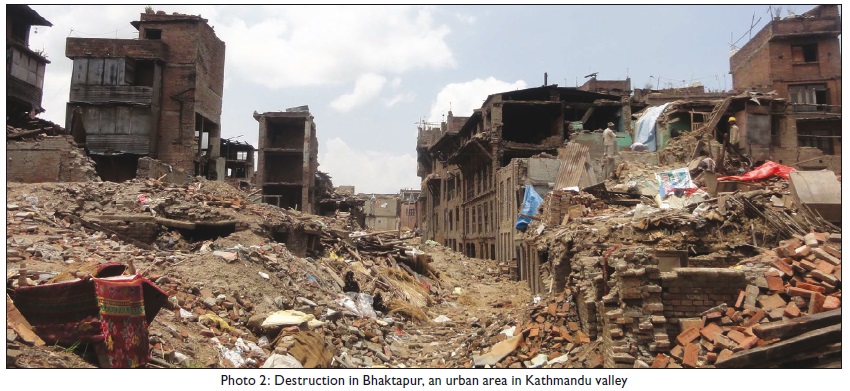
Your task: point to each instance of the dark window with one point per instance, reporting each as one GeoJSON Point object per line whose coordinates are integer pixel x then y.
{"type": "Point", "coordinates": [153, 34]}
{"type": "Point", "coordinates": [804, 53]}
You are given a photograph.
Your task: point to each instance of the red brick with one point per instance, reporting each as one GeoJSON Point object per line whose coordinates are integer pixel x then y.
{"type": "Point", "coordinates": [832, 251]}
{"type": "Point", "coordinates": [749, 342]}
{"type": "Point", "coordinates": [816, 302]}
{"type": "Point", "coordinates": [774, 283]}
{"type": "Point", "coordinates": [823, 254]}
{"type": "Point", "coordinates": [710, 330]}
{"type": "Point", "coordinates": [757, 317]}
{"type": "Point", "coordinates": [677, 351]}
{"type": "Point", "coordinates": [808, 265]}
{"type": "Point", "coordinates": [783, 267]}
{"type": "Point", "coordinates": [711, 357]}
{"type": "Point", "coordinates": [831, 303]}
{"type": "Point", "coordinates": [791, 310]}
{"type": "Point", "coordinates": [802, 251]}
{"type": "Point", "coordinates": [740, 301]}
{"type": "Point", "coordinates": [811, 287]}
{"type": "Point", "coordinates": [691, 355]}
{"type": "Point", "coordinates": [828, 278]}
{"type": "Point", "coordinates": [687, 336]}
{"type": "Point", "coordinates": [825, 267]}
{"type": "Point", "coordinates": [736, 336]}
{"type": "Point", "coordinates": [724, 354]}
{"type": "Point", "coordinates": [661, 361]}
{"type": "Point", "coordinates": [795, 291]}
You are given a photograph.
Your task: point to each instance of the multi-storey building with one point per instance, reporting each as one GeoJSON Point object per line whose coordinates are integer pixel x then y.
{"type": "Point", "coordinates": [158, 95]}
{"type": "Point", "coordinates": [24, 67]}
{"type": "Point", "coordinates": [288, 158]}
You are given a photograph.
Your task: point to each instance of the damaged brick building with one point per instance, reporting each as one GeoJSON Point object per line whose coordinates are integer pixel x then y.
{"type": "Point", "coordinates": [459, 163]}
{"type": "Point", "coordinates": [159, 95]}
{"type": "Point", "coordinates": [799, 59]}
{"type": "Point", "coordinates": [24, 67]}
{"type": "Point", "coordinates": [288, 158]}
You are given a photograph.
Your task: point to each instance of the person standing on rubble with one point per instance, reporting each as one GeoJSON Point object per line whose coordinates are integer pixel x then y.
{"type": "Point", "coordinates": [609, 139]}
{"type": "Point", "coordinates": [734, 135]}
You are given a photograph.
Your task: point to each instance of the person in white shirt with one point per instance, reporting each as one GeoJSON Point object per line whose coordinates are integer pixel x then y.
{"type": "Point", "coordinates": [609, 139]}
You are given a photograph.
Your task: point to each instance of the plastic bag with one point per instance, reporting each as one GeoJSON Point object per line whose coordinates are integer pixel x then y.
{"type": "Point", "coordinates": [358, 303]}
{"type": "Point", "coordinates": [530, 202]}
{"type": "Point", "coordinates": [766, 170]}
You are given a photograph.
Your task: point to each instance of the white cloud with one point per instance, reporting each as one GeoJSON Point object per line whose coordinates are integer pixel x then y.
{"type": "Point", "coordinates": [367, 87]}
{"type": "Point", "coordinates": [369, 171]}
{"type": "Point", "coordinates": [400, 98]}
{"type": "Point", "coordinates": [310, 46]}
{"type": "Point", "coordinates": [465, 97]}
{"type": "Point", "coordinates": [468, 19]}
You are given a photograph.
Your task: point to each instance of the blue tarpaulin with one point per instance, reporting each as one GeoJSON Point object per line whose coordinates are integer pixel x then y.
{"type": "Point", "coordinates": [645, 133]}
{"type": "Point", "coordinates": [530, 202]}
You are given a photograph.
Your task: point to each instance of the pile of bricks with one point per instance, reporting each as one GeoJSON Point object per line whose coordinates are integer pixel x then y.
{"type": "Point", "coordinates": [552, 330]}
{"type": "Point", "coordinates": [804, 279]}
{"type": "Point", "coordinates": [563, 205]}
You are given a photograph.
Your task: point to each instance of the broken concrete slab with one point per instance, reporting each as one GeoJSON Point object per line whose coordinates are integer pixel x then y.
{"type": "Point", "coordinates": [819, 190]}
{"type": "Point", "coordinates": [498, 352]}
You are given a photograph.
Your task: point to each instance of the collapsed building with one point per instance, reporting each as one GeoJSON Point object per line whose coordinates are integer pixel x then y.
{"type": "Point", "coordinates": [288, 158]}
{"type": "Point", "coordinates": [459, 162]}
{"type": "Point", "coordinates": [158, 95]}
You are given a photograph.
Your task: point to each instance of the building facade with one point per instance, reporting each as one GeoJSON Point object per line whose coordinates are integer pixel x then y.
{"type": "Point", "coordinates": [159, 95]}
{"type": "Point", "coordinates": [799, 57]}
{"type": "Point", "coordinates": [382, 212]}
{"type": "Point", "coordinates": [408, 216]}
{"type": "Point", "coordinates": [288, 158]}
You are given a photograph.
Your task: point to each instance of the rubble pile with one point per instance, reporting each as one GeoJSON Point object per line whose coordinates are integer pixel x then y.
{"type": "Point", "coordinates": [363, 302]}
{"type": "Point", "coordinates": [800, 279]}
{"type": "Point", "coordinates": [551, 337]}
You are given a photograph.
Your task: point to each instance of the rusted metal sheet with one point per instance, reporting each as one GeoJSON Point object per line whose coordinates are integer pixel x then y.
{"type": "Point", "coordinates": [575, 167]}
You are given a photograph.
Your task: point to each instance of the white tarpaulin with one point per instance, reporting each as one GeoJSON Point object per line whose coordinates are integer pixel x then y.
{"type": "Point", "coordinates": [645, 133]}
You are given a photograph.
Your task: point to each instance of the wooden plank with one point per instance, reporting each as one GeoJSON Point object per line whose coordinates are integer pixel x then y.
{"type": "Point", "coordinates": [20, 325]}
{"type": "Point", "coordinates": [80, 71]}
{"type": "Point", "coordinates": [768, 355]}
{"type": "Point", "coordinates": [791, 327]}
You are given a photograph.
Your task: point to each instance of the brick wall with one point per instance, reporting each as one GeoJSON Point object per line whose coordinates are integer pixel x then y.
{"type": "Point", "coordinates": [104, 48]}
{"type": "Point", "coordinates": [52, 159]}
{"type": "Point", "coordinates": [688, 292]}
{"type": "Point", "coordinates": [143, 231]}
{"type": "Point", "coordinates": [633, 313]}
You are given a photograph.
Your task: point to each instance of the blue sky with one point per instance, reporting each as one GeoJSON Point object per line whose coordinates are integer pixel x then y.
{"type": "Point", "coordinates": [369, 74]}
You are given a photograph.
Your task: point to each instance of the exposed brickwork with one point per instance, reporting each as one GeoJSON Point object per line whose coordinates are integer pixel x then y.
{"type": "Point", "coordinates": [105, 47]}
{"type": "Point", "coordinates": [688, 292]}
{"type": "Point", "coordinates": [53, 159]}
{"type": "Point", "coordinates": [767, 63]}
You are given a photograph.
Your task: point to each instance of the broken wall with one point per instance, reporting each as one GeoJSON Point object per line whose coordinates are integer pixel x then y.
{"type": "Point", "coordinates": [688, 292]}
{"type": "Point", "coordinates": [51, 159]}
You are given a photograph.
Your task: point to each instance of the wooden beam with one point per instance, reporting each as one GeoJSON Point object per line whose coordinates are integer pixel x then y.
{"type": "Point", "coordinates": [792, 327]}
{"type": "Point", "coordinates": [16, 321]}
{"type": "Point", "coordinates": [769, 355]}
